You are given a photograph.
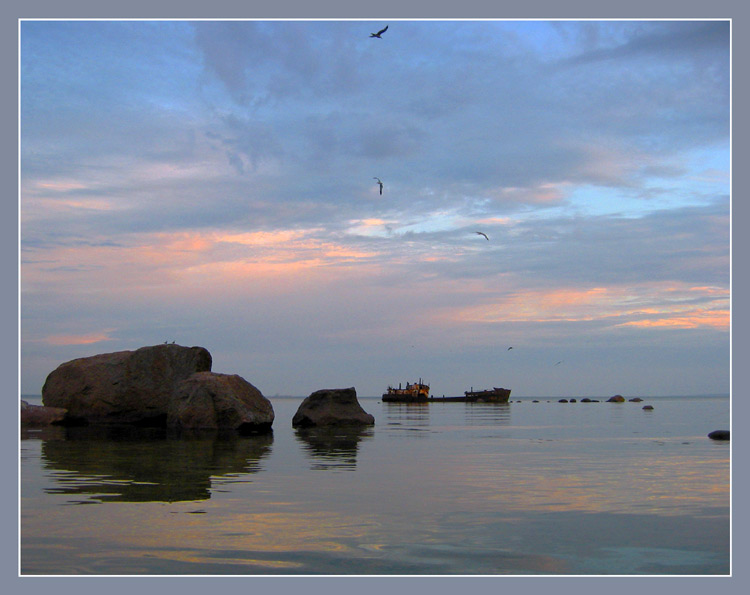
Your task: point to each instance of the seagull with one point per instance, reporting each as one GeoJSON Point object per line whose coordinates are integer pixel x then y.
{"type": "Point", "coordinates": [379, 33]}
{"type": "Point", "coordinates": [558, 363]}
{"type": "Point", "coordinates": [380, 184]}
{"type": "Point", "coordinates": [482, 234]}
{"type": "Point", "coordinates": [509, 348]}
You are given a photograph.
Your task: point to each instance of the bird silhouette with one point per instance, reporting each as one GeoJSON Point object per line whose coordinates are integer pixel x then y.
{"type": "Point", "coordinates": [379, 184]}
{"type": "Point", "coordinates": [379, 33]}
{"type": "Point", "coordinates": [482, 234]}
{"type": "Point", "coordinates": [509, 348]}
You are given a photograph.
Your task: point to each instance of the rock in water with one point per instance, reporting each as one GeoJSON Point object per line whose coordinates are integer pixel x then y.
{"type": "Point", "coordinates": [616, 399]}
{"type": "Point", "coordinates": [37, 415]}
{"type": "Point", "coordinates": [207, 400]}
{"type": "Point", "coordinates": [131, 387]}
{"type": "Point", "coordinates": [335, 406]}
{"type": "Point", "coordinates": [719, 435]}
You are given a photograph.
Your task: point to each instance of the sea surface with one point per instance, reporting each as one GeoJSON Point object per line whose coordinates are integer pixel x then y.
{"type": "Point", "coordinates": [525, 488]}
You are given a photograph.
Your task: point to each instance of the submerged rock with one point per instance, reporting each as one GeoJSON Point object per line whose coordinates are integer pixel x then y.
{"type": "Point", "coordinates": [648, 407]}
{"type": "Point", "coordinates": [130, 387]}
{"type": "Point", "coordinates": [207, 400]}
{"type": "Point", "coordinates": [719, 435]}
{"type": "Point", "coordinates": [337, 406]}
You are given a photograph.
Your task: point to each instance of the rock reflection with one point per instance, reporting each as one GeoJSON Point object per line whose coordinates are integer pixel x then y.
{"type": "Point", "coordinates": [147, 465]}
{"type": "Point", "coordinates": [333, 447]}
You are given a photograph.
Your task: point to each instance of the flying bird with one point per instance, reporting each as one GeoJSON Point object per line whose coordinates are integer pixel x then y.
{"type": "Point", "coordinates": [558, 363]}
{"type": "Point", "coordinates": [509, 348]}
{"type": "Point", "coordinates": [482, 234]}
{"type": "Point", "coordinates": [379, 184]}
{"type": "Point", "coordinates": [379, 33]}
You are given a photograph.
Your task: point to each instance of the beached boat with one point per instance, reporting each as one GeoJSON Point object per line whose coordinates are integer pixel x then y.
{"type": "Point", "coordinates": [417, 392]}
{"type": "Point", "coordinates": [495, 395]}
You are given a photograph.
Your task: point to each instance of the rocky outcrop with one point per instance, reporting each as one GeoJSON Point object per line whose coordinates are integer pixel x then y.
{"type": "Point", "coordinates": [207, 400]}
{"type": "Point", "coordinates": [719, 435]}
{"type": "Point", "coordinates": [38, 415]}
{"type": "Point", "coordinates": [131, 387]}
{"type": "Point", "coordinates": [331, 407]}
{"type": "Point", "coordinates": [616, 399]}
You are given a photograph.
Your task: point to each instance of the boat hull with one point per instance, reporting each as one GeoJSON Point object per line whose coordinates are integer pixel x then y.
{"type": "Point", "coordinates": [496, 395]}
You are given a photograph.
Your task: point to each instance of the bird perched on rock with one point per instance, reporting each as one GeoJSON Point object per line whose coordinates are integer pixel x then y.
{"type": "Point", "coordinates": [379, 33]}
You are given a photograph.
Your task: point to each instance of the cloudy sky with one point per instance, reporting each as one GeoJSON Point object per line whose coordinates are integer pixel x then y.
{"type": "Point", "coordinates": [213, 183]}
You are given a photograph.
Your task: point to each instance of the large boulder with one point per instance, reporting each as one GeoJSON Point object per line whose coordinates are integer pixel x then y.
{"type": "Point", "coordinates": [335, 406]}
{"type": "Point", "coordinates": [37, 415]}
{"type": "Point", "coordinates": [207, 400]}
{"type": "Point", "coordinates": [131, 387]}
{"type": "Point", "coordinates": [616, 399]}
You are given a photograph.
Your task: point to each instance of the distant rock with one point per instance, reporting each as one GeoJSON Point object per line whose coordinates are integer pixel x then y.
{"type": "Point", "coordinates": [562, 400]}
{"type": "Point", "coordinates": [207, 400]}
{"type": "Point", "coordinates": [719, 435]}
{"type": "Point", "coordinates": [338, 406]}
{"type": "Point", "coordinates": [125, 387]}
{"type": "Point", "coordinates": [648, 407]}
{"type": "Point", "coordinates": [616, 399]}
{"type": "Point", "coordinates": [38, 415]}
{"type": "Point", "coordinates": [586, 400]}
{"type": "Point", "coordinates": [572, 400]}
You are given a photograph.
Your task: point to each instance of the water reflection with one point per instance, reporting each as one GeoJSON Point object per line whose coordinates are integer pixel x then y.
{"type": "Point", "coordinates": [481, 414]}
{"type": "Point", "coordinates": [333, 447]}
{"type": "Point", "coordinates": [411, 417]}
{"type": "Point", "coordinates": [147, 465]}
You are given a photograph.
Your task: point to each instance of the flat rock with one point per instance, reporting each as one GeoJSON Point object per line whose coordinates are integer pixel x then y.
{"type": "Point", "coordinates": [207, 400]}
{"type": "Point", "coordinates": [124, 387]}
{"type": "Point", "coordinates": [38, 415]}
{"type": "Point", "coordinates": [336, 406]}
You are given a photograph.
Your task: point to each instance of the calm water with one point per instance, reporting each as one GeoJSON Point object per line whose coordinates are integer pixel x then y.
{"type": "Point", "coordinates": [444, 488]}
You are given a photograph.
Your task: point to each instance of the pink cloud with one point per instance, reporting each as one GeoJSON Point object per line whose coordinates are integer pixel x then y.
{"type": "Point", "coordinates": [78, 339]}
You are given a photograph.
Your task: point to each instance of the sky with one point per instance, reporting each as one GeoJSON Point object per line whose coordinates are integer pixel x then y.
{"type": "Point", "coordinates": [214, 183]}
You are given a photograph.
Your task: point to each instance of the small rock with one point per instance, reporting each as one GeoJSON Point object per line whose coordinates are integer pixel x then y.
{"type": "Point", "coordinates": [648, 407]}
{"type": "Point", "coordinates": [616, 399]}
{"type": "Point", "coordinates": [337, 406]}
{"type": "Point", "coordinates": [38, 415]}
{"type": "Point", "coordinates": [719, 435]}
{"type": "Point", "coordinates": [563, 401]}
